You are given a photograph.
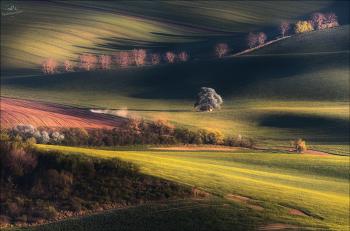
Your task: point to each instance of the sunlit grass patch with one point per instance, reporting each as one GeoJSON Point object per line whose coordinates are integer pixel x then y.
{"type": "Point", "coordinates": [317, 185]}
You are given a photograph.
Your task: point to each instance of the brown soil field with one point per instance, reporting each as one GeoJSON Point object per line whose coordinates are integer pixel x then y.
{"type": "Point", "coordinates": [17, 111]}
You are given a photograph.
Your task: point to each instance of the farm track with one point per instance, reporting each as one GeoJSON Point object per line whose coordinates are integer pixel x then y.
{"type": "Point", "coordinates": [311, 152]}
{"type": "Point", "coordinates": [15, 111]}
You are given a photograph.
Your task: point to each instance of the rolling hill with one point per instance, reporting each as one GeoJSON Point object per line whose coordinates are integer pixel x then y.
{"type": "Point", "coordinates": [270, 93]}
{"type": "Point", "coordinates": [61, 30]}
{"type": "Point", "coordinates": [299, 87]}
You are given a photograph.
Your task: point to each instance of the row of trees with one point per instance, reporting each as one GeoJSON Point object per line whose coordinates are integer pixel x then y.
{"type": "Point", "coordinates": [132, 132]}
{"type": "Point", "coordinates": [136, 57]}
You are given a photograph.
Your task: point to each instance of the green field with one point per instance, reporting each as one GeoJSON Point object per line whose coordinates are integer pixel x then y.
{"type": "Point", "coordinates": [297, 87]}
{"type": "Point", "coordinates": [316, 185]}
{"type": "Point", "coordinates": [269, 96]}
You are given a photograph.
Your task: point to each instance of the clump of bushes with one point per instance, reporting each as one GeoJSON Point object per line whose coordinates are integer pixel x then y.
{"type": "Point", "coordinates": [29, 132]}
{"type": "Point", "coordinates": [39, 185]}
{"type": "Point", "coordinates": [299, 145]}
{"type": "Point", "coordinates": [132, 132]}
{"type": "Point", "coordinates": [302, 26]}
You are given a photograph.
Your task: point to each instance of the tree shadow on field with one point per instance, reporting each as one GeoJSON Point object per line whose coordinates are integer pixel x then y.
{"type": "Point", "coordinates": [197, 46]}
{"type": "Point", "coordinates": [318, 129]}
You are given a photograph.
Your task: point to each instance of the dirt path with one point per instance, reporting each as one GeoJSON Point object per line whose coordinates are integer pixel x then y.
{"type": "Point", "coordinates": [16, 111]}
{"type": "Point", "coordinates": [311, 152]}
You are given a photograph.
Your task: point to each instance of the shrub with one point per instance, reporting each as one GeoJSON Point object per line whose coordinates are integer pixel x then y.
{"type": "Point", "coordinates": [50, 212]}
{"type": "Point", "coordinates": [182, 57]}
{"type": "Point", "coordinates": [49, 66]}
{"type": "Point", "coordinates": [261, 36]}
{"type": "Point", "coordinates": [300, 145]}
{"type": "Point", "coordinates": [328, 25]}
{"type": "Point", "coordinates": [318, 19]}
{"type": "Point", "coordinates": [138, 56]}
{"type": "Point", "coordinates": [331, 18]}
{"type": "Point", "coordinates": [104, 61]}
{"type": "Point", "coordinates": [251, 40]}
{"type": "Point", "coordinates": [221, 49]}
{"type": "Point", "coordinates": [169, 57]}
{"type": "Point", "coordinates": [155, 58]}
{"type": "Point", "coordinates": [302, 26]}
{"type": "Point", "coordinates": [68, 66]}
{"type": "Point", "coordinates": [87, 61]}
{"type": "Point", "coordinates": [122, 59]}
{"type": "Point", "coordinates": [161, 127]}
{"type": "Point", "coordinates": [17, 160]}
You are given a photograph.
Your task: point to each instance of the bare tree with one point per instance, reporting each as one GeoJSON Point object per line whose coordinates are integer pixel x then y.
{"type": "Point", "coordinates": [138, 56]}
{"type": "Point", "coordinates": [318, 19]}
{"type": "Point", "coordinates": [221, 49]}
{"type": "Point", "coordinates": [18, 159]}
{"type": "Point", "coordinates": [105, 61]}
{"type": "Point", "coordinates": [283, 27]}
{"type": "Point", "coordinates": [169, 57]}
{"type": "Point", "coordinates": [261, 36]}
{"type": "Point", "coordinates": [122, 59]}
{"type": "Point", "coordinates": [68, 66]}
{"type": "Point", "coordinates": [251, 40]}
{"type": "Point", "coordinates": [87, 61]}
{"type": "Point", "coordinates": [182, 57]}
{"type": "Point", "coordinates": [49, 66]}
{"type": "Point", "coordinates": [155, 58]}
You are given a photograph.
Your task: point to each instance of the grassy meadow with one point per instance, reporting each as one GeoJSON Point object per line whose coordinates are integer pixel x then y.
{"type": "Point", "coordinates": [316, 185]}
{"type": "Point", "coordinates": [297, 87]}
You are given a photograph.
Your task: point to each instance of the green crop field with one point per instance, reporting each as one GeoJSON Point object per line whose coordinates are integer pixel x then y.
{"type": "Point", "coordinates": [316, 185]}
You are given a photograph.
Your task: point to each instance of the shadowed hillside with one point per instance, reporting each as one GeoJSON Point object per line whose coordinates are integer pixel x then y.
{"type": "Point", "coordinates": [62, 30]}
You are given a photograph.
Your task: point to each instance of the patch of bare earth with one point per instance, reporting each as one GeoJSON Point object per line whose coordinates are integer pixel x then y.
{"type": "Point", "coordinates": [256, 207]}
{"type": "Point", "coordinates": [237, 197]}
{"type": "Point", "coordinates": [17, 111]}
{"type": "Point", "coordinates": [277, 226]}
{"type": "Point", "coordinates": [311, 152]}
{"type": "Point", "coordinates": [296, 212]}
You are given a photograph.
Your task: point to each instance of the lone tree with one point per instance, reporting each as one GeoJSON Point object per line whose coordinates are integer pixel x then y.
{"type": "Point", "coordinates": [221, 49]}
{"type": "Point", "coordinates": [68, 66]}
{"type": "Point", "coordinates": [300, 145]}
{"type": "Point", "coordinates": [207, 99]}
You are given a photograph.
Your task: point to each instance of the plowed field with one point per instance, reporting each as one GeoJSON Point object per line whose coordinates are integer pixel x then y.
{"type": "Point", "coordinates": [15, 111]}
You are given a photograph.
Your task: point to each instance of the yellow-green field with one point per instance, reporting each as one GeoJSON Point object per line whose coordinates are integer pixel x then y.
{"type": "Point", "coordinates": [316, 185]}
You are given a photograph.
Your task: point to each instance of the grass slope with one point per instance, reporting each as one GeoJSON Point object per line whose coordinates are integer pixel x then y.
{"type": "Point", "coordinates": [61, 30]}
{"type": "Point", "coordinates": [267, 93]}
{"type": "Point", "coordinates": [316, 185]}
